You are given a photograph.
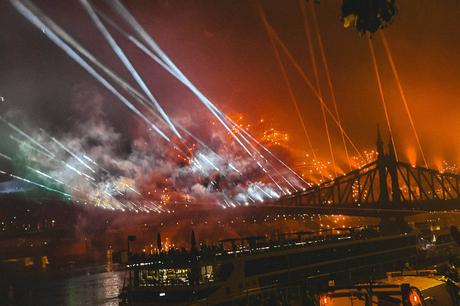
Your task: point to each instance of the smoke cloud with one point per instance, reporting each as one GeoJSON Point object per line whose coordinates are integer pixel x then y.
{"type": "Point", "coordinates": [101, 163]}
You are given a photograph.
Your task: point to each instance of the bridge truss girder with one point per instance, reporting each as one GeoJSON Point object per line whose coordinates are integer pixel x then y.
{"type": "Point", "coordinates": [374, 185]}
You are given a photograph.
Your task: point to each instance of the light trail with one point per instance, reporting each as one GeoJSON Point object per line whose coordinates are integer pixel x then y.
{"type": "Point", "coordinates": [5, 156]}
{"type": "Point", "coordinates": [94, 163]}
{"type": "Point", "coordinates": [63, 162]}
{"type": "Point", "coordinates": [62, 146]}
{"type": "Point", "coordinates": [123, 84]}
{"type": "Point", "coordinates": [52, 178]}
{"type": "Point", "coordinates": [328, 77]}
{"type": "Point", "coordinates": [144, 49]}
{"type": "Point", "coordinates": [134, 93]}
{"type": "Point", "coordinates": [289, 183]}
{"type": "Point", "coordinates": [287, 81]}
{"type": "Point", "coordinates": [228, 119]}
{"type": "Point", "coordinates": [21, 132]}
{"type": "Point", "coordinates": [286, 78]}
{"type": "Point", "coordinates": [66, 48]}
{"type": "Point", "coordinates": [176, 73]}
{"type": "Point", "coordinates": [89, 159]}
{"type": "Point", "coordinates": [318, 85]}
{"type": "Point", "coordinates": [121, 55]}
{"type": "Point", "coordinates": [38, 184]}
{"type": "Point", "coordinates": [26, 12]}
{"type": "Point", "coordinates": [77, 171]}
{"type": "Point", "coordinates": [51, 157]}
{"type": "Point", "coordinates": [136, 42]}
{"type": "Point", "coordinates": [123, 12]}
{"type": "Point", "coordinates": [38, 172]}
{"type": "Point", "coordinates": [195, 161]}
{"type": "Point", "coordinates": [45, 175]}
{"type": "Point", "coordinates": [49, 176]}
{"type": "Point", "coordinates": [263, 191]}
{"type": "Point", "coordinates": [20, 142]}
{"type": "Point", "coordinates": [401, 91]}
{"type": "Point", "coordinates": [208, 161]}
{"type": "Point", "coordinates": [233, 168]}
{"type": "Point", "coordinates": [310, 85]}
{"type": "Point", "coordinates": [158, 208]}
{"type": "Point", "coordinates": [240, 129]}
{"type": "Point", "coordinates": [55, 159]}
{"type": "Point", "coordinates": [150, 54]}
{"type": "Point", "coordinates": [250, 198]}
{"type": "Point", "coordinates": [382, 96]}
{"type": "Point", "coordinates": [269, 152]}
{"type": "Point", "coordinates": [69, 40]}
{"type": "Point", "coordinates": [133, 190]}
{"type": "Point", "coordinates": [112, 198]}
{"type": "Point", "coordinates": [224, 117]}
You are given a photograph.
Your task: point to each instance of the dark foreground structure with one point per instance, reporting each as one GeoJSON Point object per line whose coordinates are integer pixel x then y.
{"type": "Point", "coordinates": [285, 271]}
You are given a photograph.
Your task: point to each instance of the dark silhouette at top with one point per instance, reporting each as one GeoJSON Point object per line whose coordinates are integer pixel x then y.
{"type": "Point", "coordinates": [368, 15]}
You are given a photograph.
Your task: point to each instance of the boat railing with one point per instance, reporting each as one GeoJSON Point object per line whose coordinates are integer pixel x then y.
{"type": "Point", "coordinates": [211, 253]}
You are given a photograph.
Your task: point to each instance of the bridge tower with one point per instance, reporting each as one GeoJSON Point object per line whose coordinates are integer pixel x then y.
{"type": "Point", "coordinates": [381, 166]}
{"type": "Point", "coordinates": [387, 164]}
{"type": "Point", "coordinates": [393, 170]}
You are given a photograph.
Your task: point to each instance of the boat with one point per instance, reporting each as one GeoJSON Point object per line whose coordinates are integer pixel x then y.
{"type": "Point", "coordinates": [407, 288]}
{"type": "Point", "coordinates": [253, 270]}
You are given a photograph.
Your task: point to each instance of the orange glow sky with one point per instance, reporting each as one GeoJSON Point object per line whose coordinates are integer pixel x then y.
{"type": "Point", "coordinates": [223, 47]}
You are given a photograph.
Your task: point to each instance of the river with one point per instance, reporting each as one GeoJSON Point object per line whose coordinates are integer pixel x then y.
{"type": "Point", "coordinates": [94, 285]}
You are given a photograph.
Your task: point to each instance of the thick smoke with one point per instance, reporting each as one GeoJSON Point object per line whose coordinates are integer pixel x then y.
{"type": "Point", "coordinates": [100, 164]}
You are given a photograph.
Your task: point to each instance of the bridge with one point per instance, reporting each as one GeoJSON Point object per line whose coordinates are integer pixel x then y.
{"type": "Point", "coordinates": [384, 186]}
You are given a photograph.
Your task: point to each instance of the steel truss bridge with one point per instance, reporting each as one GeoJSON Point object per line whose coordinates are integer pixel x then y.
{"type": "Point", "coordinates": [385, 184]}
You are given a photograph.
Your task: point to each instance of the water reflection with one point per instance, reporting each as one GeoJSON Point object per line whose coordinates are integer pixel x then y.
{"type": "Point", "coordinates": [93, 286]}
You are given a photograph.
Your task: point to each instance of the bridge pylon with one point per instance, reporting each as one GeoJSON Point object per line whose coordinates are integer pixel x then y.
{"type": "Point", "coordinates": [381, 166]}
{"type": "Point", "coordinates": [392, 165]}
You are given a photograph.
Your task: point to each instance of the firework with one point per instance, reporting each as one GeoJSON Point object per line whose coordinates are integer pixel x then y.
{"type": "Point", "coordinates": [203, 158]}
{"type": "Point", "coordinates": [447, 167]}
{"type": "Point", "coordinates": [72, 154]}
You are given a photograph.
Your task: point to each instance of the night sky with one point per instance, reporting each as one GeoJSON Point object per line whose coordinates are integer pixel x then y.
{"type": "Point", "coordinates": [222, 46]}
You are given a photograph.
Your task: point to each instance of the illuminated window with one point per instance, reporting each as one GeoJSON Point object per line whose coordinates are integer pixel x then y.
{"type": "Point", "coordinates": [207, 274]}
